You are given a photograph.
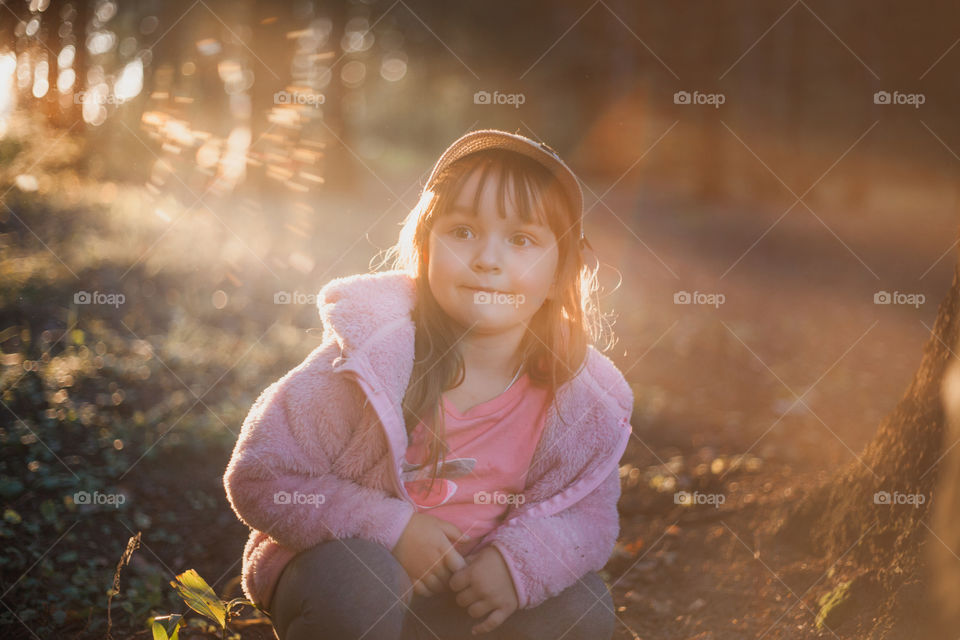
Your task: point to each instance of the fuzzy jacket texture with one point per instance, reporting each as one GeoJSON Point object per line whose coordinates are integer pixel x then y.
{"type": "Point", "coordinates": [304, 469]}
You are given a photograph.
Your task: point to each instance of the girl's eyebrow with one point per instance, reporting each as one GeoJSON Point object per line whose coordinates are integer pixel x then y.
{"type": "Point", "coordinates": [461, 212]}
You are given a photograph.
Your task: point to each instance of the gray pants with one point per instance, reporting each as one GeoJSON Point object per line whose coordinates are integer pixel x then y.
{"type": "Point", "coordinates": [352, 589]}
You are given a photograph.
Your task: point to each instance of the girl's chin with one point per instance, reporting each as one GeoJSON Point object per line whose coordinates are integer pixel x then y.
{"type": "Point", "coordinates": [487, 322]}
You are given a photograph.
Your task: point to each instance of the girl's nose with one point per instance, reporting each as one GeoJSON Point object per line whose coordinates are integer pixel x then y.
{"type": "Point", "coordinates": [488, 256]}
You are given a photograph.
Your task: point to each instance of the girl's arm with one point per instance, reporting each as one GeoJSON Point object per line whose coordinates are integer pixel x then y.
{"type": "Point", "coordinates": [280, 478]}
{"type": "Point", "coordinates": [545, 554]}
{"type": "Point", "coordinates": [548, 554]}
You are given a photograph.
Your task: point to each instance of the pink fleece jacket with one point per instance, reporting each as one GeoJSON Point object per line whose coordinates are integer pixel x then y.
{"type": "Point", "coordinates": [304, 472]}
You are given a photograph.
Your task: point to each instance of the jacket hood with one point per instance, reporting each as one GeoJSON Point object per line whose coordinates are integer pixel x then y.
{"type": "Point", "coordinates": [353, 308]}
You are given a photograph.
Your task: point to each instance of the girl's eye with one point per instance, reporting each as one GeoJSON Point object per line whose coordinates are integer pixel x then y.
{"type": "Point", "coordinates": [522, 236]}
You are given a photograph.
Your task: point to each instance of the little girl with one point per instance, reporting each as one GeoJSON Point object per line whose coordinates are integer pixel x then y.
{"type": "Point", "coordinates": [446, 462]}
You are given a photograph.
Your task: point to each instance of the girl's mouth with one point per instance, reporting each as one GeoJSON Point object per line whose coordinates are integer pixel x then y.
{"type": "Point", "coordinates": [485, 290]}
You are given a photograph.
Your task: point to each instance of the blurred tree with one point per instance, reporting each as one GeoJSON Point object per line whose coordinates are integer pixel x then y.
{"type": "Point", "coordinates": [855, 514]}
{"type": "Point", "coordinates": [944, 546]}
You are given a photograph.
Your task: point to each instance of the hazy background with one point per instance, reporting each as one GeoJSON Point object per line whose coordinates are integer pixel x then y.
{"type": "Point", "coordinates": [183, 163]}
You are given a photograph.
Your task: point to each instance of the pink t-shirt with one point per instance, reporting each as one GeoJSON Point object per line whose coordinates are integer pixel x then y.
{"type": "Point", "coordinates": [491, 447]}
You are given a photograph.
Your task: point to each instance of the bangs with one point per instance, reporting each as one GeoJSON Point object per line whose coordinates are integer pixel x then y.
{"type": "Point", "coordinates": [521, 181]}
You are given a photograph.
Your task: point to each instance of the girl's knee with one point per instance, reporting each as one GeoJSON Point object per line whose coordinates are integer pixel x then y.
{"type": "Point", "coordinates": [357, 566]}
{"type": "Point", "coordinates": [599, 617]}
{"type": "Point", "coordinates": [598, 587]}
{"type": "Point", "coordinates": [584, 611]}
{"type": "Point", "coordinates": [344, 588]}
{"type": "Point", "coordinates": [590, 604]}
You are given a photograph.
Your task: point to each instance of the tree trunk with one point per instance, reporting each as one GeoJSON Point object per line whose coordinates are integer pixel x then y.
{"type": "Point", "coordinates": [943, 550]}
{"type": "Point", "coordinates": [872, 512]}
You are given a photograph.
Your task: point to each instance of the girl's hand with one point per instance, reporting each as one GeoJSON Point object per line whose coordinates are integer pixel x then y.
{"type": "Point", "coordinates": [425, 551]}
{"type": "Point", "coordinates": [484, 587]}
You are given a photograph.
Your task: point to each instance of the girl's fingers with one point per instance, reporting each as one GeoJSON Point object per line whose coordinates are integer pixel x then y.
{"type": "Point", "coordinates": [452, 532]}
{"type": "Point", "coordinates": [492, 622]}
{"type": "Point", "coordinates": [480, 608]}
{"type": "Point", "coordinates": [433, 584]}
{"type": "Point", "coordinates": [467, 597]}
{"type": "Point", "coordinates": [453, 560]}
{"type": "Point", "coordinates": [459, 580]}
{"type": "Point", "coordinates": [421, 589]}
{"type": "Point", "coordinates": [443, 575]}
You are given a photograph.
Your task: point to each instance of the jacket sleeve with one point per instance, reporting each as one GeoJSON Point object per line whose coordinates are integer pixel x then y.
{"type": "Point", "coordinates": [280, 480]}
{"type": "Point", "coordinates": [545, 555]}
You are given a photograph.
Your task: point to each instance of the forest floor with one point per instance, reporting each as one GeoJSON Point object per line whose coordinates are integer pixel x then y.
{"type": "Point", "coordinates": [716, 388]}
{"type": "Point", "coordinates": [788, 380]}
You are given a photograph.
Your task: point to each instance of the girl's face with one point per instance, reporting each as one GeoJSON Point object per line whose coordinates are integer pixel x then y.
{"type": "Point", "coordinates": [514, 261]}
